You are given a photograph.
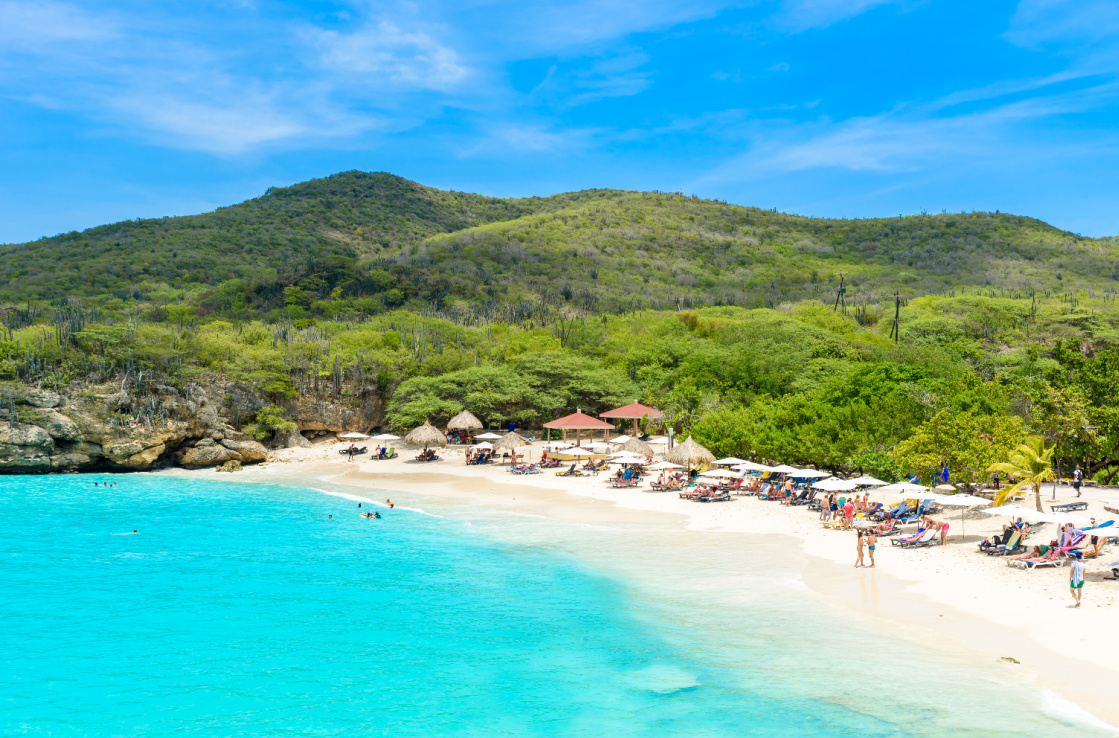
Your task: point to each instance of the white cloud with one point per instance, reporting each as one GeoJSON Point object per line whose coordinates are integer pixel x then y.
{"type": "Point", "coordinates": [514, 139]}
{"type": "Point", "coordinates": [388, 54]}
{"type": "Point", "coordinates": [31, 25]}
{"type": "Point", "coordinates": [801, 15]}
{"type": "Point", "coordinates": [1038, 22]}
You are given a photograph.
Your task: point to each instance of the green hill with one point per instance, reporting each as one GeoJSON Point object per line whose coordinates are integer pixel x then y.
{"type": "Point", "coordinates": [370, 242]}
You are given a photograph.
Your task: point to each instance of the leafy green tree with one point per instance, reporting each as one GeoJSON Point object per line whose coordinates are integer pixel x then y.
{"type": "Point", "coordinates": [965, 443]}
{"type": "Point", "coordinates": [1031, 464]}
{"type": "Point", "coordinates": [269, 422]}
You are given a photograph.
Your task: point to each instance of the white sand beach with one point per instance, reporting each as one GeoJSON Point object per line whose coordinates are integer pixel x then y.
{"type": "Point", "coordinates": [948, 597]}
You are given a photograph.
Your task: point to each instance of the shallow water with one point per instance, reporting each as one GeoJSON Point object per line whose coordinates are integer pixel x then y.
{"type": "Point", "coordinates": [241, 609]}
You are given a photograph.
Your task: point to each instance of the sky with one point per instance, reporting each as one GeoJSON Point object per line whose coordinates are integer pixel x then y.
{"type": "Point", "coordinates": [836, 108]}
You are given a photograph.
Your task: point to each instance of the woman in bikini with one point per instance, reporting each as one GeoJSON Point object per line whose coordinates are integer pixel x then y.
{"type": "Point", "coordinates": [859, 547]}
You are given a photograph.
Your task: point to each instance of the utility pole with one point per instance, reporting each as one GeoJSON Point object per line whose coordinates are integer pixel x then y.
{"type": "Point", "coordinates": [840, 294]}
{"type": "Point", "coordinates": [895, 330]}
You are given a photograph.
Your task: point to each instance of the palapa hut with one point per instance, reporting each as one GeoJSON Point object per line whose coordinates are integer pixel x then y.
{"type": "Point", "coordinates": [637, 446]}
{"type": "Point", "coordinates": [579, 421]}
{"type": "Point", "coordinates": [510, 442]}
{"type": "Point", "coordinates": [689, 454]}
{"type": "Point", "coordinates": [634, 411]}
{"type": "Point", "coordinates": [427, 436]}
{"type": "Point", "coordinates": [464, 421]}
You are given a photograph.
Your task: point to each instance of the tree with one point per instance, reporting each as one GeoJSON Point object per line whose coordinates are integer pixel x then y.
{"type": "Point", "coordinates": [1031, 463]}
{"type": "Point", "coordinates": [965, 443]}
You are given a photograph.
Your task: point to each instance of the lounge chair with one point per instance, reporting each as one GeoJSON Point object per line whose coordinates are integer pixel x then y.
{"type": "Point", "coordinates": [904, 540]}
{"type": "Point", "coordinates": [572, 472]}
{"type": "Point", "coordinates": [1053, 558]}
{"type": "Point", "coordinates": [623, 482]}
{"type": "Point", "coordinates": [1013, 545]}
{"type": "Point", "coordinates": [724, 497]}
{"type": "Point", "coordinates": [686, 494]}
{"type": "Point", "coordinates": [928, 538]}
{"type": "Point", "coordinates": [1069, 506]}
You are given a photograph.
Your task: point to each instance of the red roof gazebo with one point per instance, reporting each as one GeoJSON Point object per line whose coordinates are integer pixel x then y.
{"type": "Point", "coordinates": [579, 421]}
{"type": "Point", "coordinates": [634, 411]}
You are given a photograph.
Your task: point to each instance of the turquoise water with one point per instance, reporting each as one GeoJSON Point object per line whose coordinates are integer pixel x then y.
{"type": "Point", "coordinates": [241, 609]}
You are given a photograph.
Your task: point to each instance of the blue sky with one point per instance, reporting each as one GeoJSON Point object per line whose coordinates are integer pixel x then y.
{"type": "Point", "coordinates": [846, 108]}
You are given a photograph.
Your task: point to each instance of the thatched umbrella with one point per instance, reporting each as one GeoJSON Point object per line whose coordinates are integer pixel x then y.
{"type": "Point", "coordinates": [510, 442]}
{"type": "Point", "coordinates": [464, 421]}
{"type": "Point", "coordinates": [637, 446]}
{"type": "Point", "coordinates": [427, 435]}
{"type": "Point", "coordinates": [689, 454]}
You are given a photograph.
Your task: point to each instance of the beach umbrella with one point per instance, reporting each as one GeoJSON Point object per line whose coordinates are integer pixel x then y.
{"type": "Point", "coordinates": [637, 446]}
{"type": "Point", "coordinates": [427, 435]}
{"type": "Point", "coordinates": [464, 421]}
{"type": "Point", "coordinates": [663, 466]}
{"type": "Point", "coordinates": [619, 439]}
{"type": "Point", "coordinates": [354, 436]}
{"type": "Point", "coordinates": [510, 442]}
{"type": "Point", "coordinates": [753, 466]}
{"type": "Point", "coordinates": [718, 473]}
{"type": "Point", "coordinates": [1063, 517]}
{"type": "Point", "coordinates": [1017, 511]}
{"type": "Point", "coordinates": [865, 481]}
{"type": "Point", "coordinates": [834, 484]}
{"type": "Point", "coordinates": [386, 437]}
{"type": "Point", "coordinates": [785, 469]}
{"type": "Point", "coordinates": [731, 461]}
{"type": "Point", "coordinates": [483, 446]}
{"type": "Point", "coordinates": [904, 487]}
{"type": "Point", "coordinates": [945, 487]}
{"type": "Point", "coordinates": [689, 454]}
{"type": "Point", "coordinates": [964, 501]}
{"type": "Point", "coordinates": [487, 436]}
{"type": "Point", "coordinates": [811, 474]}
{"type": "Point", "coordinates": [658, 441]}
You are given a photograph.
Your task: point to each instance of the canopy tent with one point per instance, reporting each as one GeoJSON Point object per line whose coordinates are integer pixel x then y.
{"type": "Point", "coordinates": [354, 436]}
{"type": "Point", "coordinates": [427, 435]}
{"type": "Point", "coordinates": [464, 421]}
{"type": "Point", "coordinates": [867, 481]}
{"type": "Point", "coordinates": [730, 461]}
{"type": "Point", "coordinates": [578, 421]}
{"type": "Point", "coordinates": [689, 454]}
{"type": "Point", "coordinates": [487, 436]}
{"type": "Point", "coordinates": [634, 411]}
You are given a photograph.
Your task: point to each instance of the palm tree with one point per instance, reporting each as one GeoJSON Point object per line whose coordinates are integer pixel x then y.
{"type": "Point", "coordinates": [1031, 463]}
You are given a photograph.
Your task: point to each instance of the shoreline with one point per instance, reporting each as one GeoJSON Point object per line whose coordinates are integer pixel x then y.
{"type": "Point", "coordinates": [951, 597]}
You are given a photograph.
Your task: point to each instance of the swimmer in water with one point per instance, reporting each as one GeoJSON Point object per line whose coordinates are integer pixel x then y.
{"type": "Point", "coordinates": [389, 503]}
{"type": "Point", "coordinates": [329, 517]}
{"type": "Point", "coordinates": [133, 533]}
{"type": "Point", "coordinates": [377, 515]}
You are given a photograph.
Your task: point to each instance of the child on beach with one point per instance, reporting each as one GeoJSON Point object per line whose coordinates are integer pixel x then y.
{"type": "Point", "coordinates": [1076, 577]}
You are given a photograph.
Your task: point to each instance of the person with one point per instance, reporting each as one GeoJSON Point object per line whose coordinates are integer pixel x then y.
{"type": "Point", "coordinates": [833, 507]}
{"type": "Point", "coordinates": [377, 515]}
{"type": "Point", "coordinates": [943, 534]}
{"type": "Point", "coordinates": [134, 532]}
{"type": "Point", "coordinates": [628, 475]}
{"type": "Point", "coordinates": [389, 503]}
{"type": "Point", "coordinates": [859, 543]}
{"type": "Point", "coordinates": [866, 501]}
{"type": "Point", "coordinates": [1077, 478]}
{"type": "Point", "coordinates": [848, 513]}
{"type": "Point", "coordinates": [871, 544]}
{"type": "Point", "coordinates": [330, 517]}
{"type": "Point", "coordinates": [1076, 577]}
{"type": "Point", "coordinates": [351, 450]}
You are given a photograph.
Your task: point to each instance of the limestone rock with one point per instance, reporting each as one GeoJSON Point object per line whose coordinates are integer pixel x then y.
{"type": "Point", "coordinates": [60, 426]}
{"type": "Point", "coordinates": [294, 439]}
{"type": "Point", "coordinates": [30, 396]}
{"type": "Point", "coordinates": [205, 443]}
{"type": "Point", "coordinates": [231, 445]}
{"type": "Point", "coordinates": [25, 435]}
{"type": "Point", "coordinates": [145, 458]}
{"type": "Point", "coordinates": [230, 466]}
{"type": "Point", "coordinates": [211, 455]}
{"type": "Point", "coordinates": [252, 452]}
{"type": "Point", "coordinates": [118, 451]}
{"type": "Point", "coordinates": [70, 460]}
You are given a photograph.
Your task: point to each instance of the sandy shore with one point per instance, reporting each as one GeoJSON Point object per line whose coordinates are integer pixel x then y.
{"type": "Point", "coordinates": [950, 596]}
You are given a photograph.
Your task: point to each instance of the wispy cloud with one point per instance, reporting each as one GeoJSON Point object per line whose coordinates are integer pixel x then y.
{"type": "Point", "coordinates": [387, 54]}
{"type": "Point", "coordinates": [801, 15]}
{"type": "Point", "coordinates": [30, 25]}
{"type": "Point", "coordinates": [512, 140]}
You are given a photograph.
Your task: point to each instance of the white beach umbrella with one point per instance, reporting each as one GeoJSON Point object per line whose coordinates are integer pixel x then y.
{"type": "Point", "coordinates": [753, 466]}
{"type": "Point", "coordinates": [1063, 517]}
{"type": "Point", "coordinates": [658, 441]}
{"type": "Point", "coordinates": [869, 481]}
{"type": "Point", "coordinates": [483, 446]}
{"type": "Point", "coordinates": [730, 461]}
{"type": "Point", "coordinates": [905, 487]}
{"type": "Point", "coordinates": [598, 446]}
{"type": "Point", "coordinates": [811, 474]}
{"type": "Point", "coordinates": [834, 484]}
{"type": "Point", "coordinates": [663, 466]}
{"type": "Point", "coordinates": [963, 501]}
{"type": "Point", "coordinates": [487, 436]}
{"type": "Point", "coordinates": [619, 439]}
{"type": "Point", "coordinates": [386, 437]}
{"type": "Point", "coordinates": [1016, 511]}
{"type": "Point", "coordinates": [785, 469]}
{"type": "Point", "coordinates": [718, 473]}
{"type": "Point", "coordinates": [354, 436]}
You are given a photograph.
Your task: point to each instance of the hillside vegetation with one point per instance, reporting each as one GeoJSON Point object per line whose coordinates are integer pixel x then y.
{"type": "Point", "coordinates": [407, 303]}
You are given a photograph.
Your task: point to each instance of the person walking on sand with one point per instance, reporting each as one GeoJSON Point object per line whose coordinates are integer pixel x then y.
{"type": "Point", "coordinates": [848, 513]}
{"type": "Point", "coordinates": [871, 542]}
{"type": "Point", "coordinates": [859, 543]}
{"type": "Point", "coordinates": [1077, 479]}
{"type": "Point", "coordinates": [1076, 577]}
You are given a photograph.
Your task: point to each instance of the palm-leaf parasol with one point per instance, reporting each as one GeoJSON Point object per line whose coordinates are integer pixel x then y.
{"type": "Point", "coordinates": [464, 421]}
{"type": "Point", "coordinates": [510, 442]}
{"type": "Point", "coordinates": [637, 446]}
{"type": "Point", "coordinates": [689, 454]}
{"type": "Point", "coordinates": [427, 435]}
